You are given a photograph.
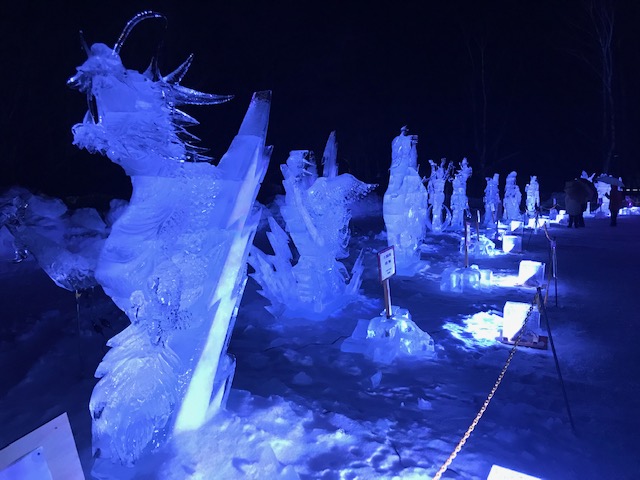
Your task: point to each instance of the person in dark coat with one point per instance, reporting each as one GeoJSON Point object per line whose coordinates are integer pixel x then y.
{"type": "Point", "coordinates": [580, 216]}
{"type": "Point", "coordinates": [616, 198]}
{"type": "Point", "coordinates": [572, 203]}
{"type": "Point", "coordinates": [574, 210]}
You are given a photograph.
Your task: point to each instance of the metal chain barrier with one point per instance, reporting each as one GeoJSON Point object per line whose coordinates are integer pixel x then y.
{"type": "Point", "coordinates": [467, 434]}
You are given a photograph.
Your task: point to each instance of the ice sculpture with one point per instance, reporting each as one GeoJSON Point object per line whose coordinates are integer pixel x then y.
{"type": "Point", "coordinates": [532, 189]}
{"type": "Point", "coordinates": [459, 200]}
{"type": "Point", "coordinates": [492, 203]}
{"type": "Point", "coordinates": [512, 199]}
{"type": "Point", "coordinates": [404, 205]}
{"type": "Point", "coordinates": [65, 243]}
{"type": "Point", "coordinates": [459, 280]}
{"type": "Point", "coordinates": [584, 175]}
{"type": "Point", "coordinates": [316, 213]}
{"type": "Point", "coordinates": [439, 216]}
{"type": "Point", "coordinates": [175, 261]}
{"type": "Point", "coordinates": [383, 339]}
{"type": "Point", "coordinates": [604, 189]}
{"type": "Point", "coordinates": [478, 245]}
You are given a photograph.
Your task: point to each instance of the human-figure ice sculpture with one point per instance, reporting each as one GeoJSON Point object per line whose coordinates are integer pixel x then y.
{"type": "Point", "coordinates": [404, 205]}
{"type": "Point", "coordinates": [439, 216]}
{"type": "Point", "coordinates": [459, 200]}
{"type": "Point", "coordinates": [512, 199]}
{"type": "Point", "coordinates": [316, 213]}
{"type": "Point", "coordinates": [584, 175]}
{"type": "Point", "coordinates": [604, 189]}
{"type": "Point", "coordinates": [175, 261]}
{"type": "Point", "coordinates": [492, 202]}
{"type": "Point", "coordinates": [532, 202]}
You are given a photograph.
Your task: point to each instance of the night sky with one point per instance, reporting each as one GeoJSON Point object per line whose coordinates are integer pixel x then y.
{"type": "Point", "coordinates": [364, 69]}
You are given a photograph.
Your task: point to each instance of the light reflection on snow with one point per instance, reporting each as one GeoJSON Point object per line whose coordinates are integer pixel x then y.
{"type": "Point", "coordinates": [508, 281]}
{"type": "Point", "coordinates": [478, 330]}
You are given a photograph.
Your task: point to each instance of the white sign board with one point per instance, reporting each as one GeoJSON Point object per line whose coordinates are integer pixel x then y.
{"type": "Point", "coordinates": [32, 466]}
{"type": "Point", "coordinates": [386, 263]}
{"type": "Point", "coordinates": [50, 448]}
{"type": "Point", "coordinates": [500, 473]}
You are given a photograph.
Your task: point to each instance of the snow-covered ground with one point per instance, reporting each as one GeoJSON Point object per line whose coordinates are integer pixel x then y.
{"type": "Point", "coordinates": [302, 408]}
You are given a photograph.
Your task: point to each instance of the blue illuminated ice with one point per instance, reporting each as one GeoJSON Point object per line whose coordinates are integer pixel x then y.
{"type": "Point", "coordinates": [384, 338]}
{"type": "Point", "coordinates": [175, 261]}
{"type": "Point", "coordinates": [532, 189]}
{"type": "Point", "coordinates": [512, 199]}
{"type": "Point", "coordinates": [604, 189]}
{"type": "Point", "coordinates": [459, 200]}
{"type": "Point", "coordinates": [461, 279]}
{"type": "Point", "coordinates": [492, 203]}
{"type": "Point", "coordinates": [404, 206]}
{"type": "Point", "coordinates": [439, 217]}
{"type": "Point", "coordinates": [478, 245]}
{"type": "Point", "coordinates": [316, 213]}
{"type": "Point", "coordinates": [65, 242]}
{"type": "Point", "coordinates": [590, 208]}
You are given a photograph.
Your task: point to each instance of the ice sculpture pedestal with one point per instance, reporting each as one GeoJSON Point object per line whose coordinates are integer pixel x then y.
{"type": "Point", "coordinates": [514, 315]}
{"type": "Point", "coordinates": [383, 339]}
{"type": "Point", "coordinates": [511, 243]}
{"type": "Point", "coordinates": [531, 273]}
{"type": "Point", "coordinates": [460, 279]}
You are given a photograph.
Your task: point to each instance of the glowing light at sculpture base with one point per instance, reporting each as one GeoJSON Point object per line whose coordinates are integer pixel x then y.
{"type": "Point", "coordinates": [511, 243]}
{"type": "Point", "coordinates": [513, 317]}
{"type": "Point", "coordinates": [502, 473]}
{"type": "Point", "coordinates": [531, 273]}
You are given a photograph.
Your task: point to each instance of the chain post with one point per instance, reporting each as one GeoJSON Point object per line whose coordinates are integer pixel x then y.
{"type": "Point", "coordinates": [543, 311]}
{"type": "Point", "coordinates": [554, 262]}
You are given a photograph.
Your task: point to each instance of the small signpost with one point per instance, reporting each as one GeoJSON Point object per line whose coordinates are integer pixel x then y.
{"type": "Point", "coordinates": [386, 270]}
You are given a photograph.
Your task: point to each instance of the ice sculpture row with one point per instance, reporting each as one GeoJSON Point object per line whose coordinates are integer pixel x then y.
{"type": "Point", "coordinates": [175, 257]}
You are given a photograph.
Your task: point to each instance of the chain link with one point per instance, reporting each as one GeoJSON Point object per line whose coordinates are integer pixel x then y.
{"type": "Point", "coordinates": [463, 440]}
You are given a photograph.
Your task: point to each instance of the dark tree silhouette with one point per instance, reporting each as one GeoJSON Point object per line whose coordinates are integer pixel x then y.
{"type": "Point", "coordinates": [596, 33]}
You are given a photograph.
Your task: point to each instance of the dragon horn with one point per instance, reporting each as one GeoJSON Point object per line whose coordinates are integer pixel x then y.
{"type": "Point", "coordinates": [84, 44]}
{"type": "Point", "coordinates": [131, 24]}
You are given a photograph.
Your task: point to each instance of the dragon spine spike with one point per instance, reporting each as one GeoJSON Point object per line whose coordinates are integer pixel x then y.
{"type": "Point", "coordinates": [178, 74]}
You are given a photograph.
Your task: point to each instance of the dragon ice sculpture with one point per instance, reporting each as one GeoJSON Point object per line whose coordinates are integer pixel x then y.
{"type": "Point", "coordinates": [175, 261]}
{"type": "Point", "coordinates": [316, 213]}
